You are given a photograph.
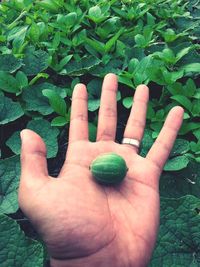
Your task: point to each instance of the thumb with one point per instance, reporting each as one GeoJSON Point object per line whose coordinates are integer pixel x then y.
{"type": "Point", "coordinates": [33, 156]}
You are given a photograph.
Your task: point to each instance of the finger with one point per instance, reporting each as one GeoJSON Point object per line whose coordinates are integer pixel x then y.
{"type": "Point", "coordinates": [33, 159]}
{"type": "Point", "coordinates": [161, 148]}
{"type": "Point", "coordinates": [137, 119]}
{"type": "Point", "coordinates": [107, 120]}
{"type": "Point", "coordinates": [78, 129]}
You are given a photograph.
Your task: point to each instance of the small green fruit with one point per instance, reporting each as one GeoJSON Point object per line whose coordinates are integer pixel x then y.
{"type": "Point", "coordinates": [109, 168]}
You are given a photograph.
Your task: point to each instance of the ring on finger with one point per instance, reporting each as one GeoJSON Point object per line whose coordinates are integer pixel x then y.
{"type": "Point", "coordinates": [131, 141]}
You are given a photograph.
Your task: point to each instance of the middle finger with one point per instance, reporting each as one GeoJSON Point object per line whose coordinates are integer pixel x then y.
{"type": "Point", "coordinates": [107, 119]}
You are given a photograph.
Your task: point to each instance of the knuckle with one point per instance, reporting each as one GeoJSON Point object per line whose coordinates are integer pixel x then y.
{"type": "Point", "coordinates": [163, 145]}
{"type": "Point", "coordinates": [105, 135]}
{"type": "Point", "coordinates": [108, 112]}
{"type": "Point", "coordinates": [81, 117]}
{"type": "Point", "coordinates": [137, 123]}
{"type": "Point", "coordinates": [79, 98]}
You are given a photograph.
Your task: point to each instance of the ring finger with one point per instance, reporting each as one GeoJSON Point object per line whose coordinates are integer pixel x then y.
{"type": "Point", "coordinates": [137, 118]}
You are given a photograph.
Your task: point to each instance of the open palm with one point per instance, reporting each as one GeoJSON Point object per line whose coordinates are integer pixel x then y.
{"type": "Point", "coordinates": [84, 223]}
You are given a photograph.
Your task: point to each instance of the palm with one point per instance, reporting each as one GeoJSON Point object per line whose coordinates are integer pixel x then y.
{"type": "Point", "coordinates": [78, 218]}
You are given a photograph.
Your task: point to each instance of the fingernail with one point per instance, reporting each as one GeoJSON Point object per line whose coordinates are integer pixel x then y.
{"type": "Point", "coordinates": [21, 135]}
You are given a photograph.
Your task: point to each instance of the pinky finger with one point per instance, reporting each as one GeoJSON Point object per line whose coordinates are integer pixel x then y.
{"type": "Point", "coordinates": [163, 145]}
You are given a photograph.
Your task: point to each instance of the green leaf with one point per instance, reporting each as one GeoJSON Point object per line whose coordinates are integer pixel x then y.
{"type": "Point", "coordinates": [159, 116]}
{"type": "Point", "coordinates": [22, 79]}
{"type": "Point", "coordinates": [16, 32]}
{"type": "Point", "coordinates": [150, 111]}
{"type": "Point", "coordinates": [150, 19]}
{"type": "Point", "coordinates": [96, 45]}
{"type": "Point", "coordinates": [157, 76]}
{"type": "Point", "coordinates": [140, 40]}
{"type": "Point", "coordinates": [146, 143]}
{"type": "Point", "coordinates": [176, 163]}
{"type": "Point", "coordinates": [59, 121]}
{"type": "Point", "coordinates": [183, 52]}
{"type": "Point", "coordinates": [70, 19]}
{"type": "Point", "coordinates": [125, 79]}
{"type": "Point", "coordinates": [36, 101]}
{"type": "Point", "coordinates": [183, 100]}
{"type": "Point", "coordinates": [195, 147]}
{"type": "Point", "coordinates": [169, 35]}
{"type": "Point", "coordinates": [94, 12]}
{"type": "Point", "coordinates": [193, 67]}
{"type": "Point", "coordinates": [9, 110]}
{"type": "Point", "coordinates": [175, 88]}
{"type": "Point", "coordinates": [188, 126]}
{"type": "Point", "coordinates": [113, 40]}
{"type": "Point", "coordinates": [93, 104]}
{"type": "Point", "coordinates": [78, 39]}
{"type": "Point", "coordinates": [190, 88]}
{"type": "Point", "coordinates": [171, 77]}
{"type": "Point", "coordinates": [111, 25]}
{"type": "Point", "coordinates": [38, 76]}
{"type": "Point", "coordinates": [140, 74]}
{"type": "Point", "coordinates": [94, 88]}
{"type": "Point", "coordinates": [196, 133]}
{"type": "Point", "coordinates": [132, 65]}
{"type": "Point", "coordinates": [9, 182]}
{"type": "Point", "coordinates": [181, 183]}
{"type": "Point", "coordinates": [8, 83]}
{"type": "Point", "coordinates": [92, 132]}
{"type": "Point", "coordinates": [50, 5]}
{"type": "Point", "coordinates": [196, 108]}
{"type": "Point", "coordinates": [34, 32]}
{"type": "Point", "coordinates": [57, 103]}
{"type": "Point", "coordinates": [19, 39]}
{"type": "Point", "coordinates": [62, 63]}
{"type": "Point", "coordinates": [178, 241]}
{"type": "Point", "coordinates": [9, 63]}
{"type": "Point", "coordinates": [78, 68]}
{"type": "Point", "coordinates": [169, 56]}
{"type": "Point", "coordinates": [180, 147]}
{"type": "Point", "coordinates": [35, 62]}
{"type": "Point", "coordinates": [14, 143]}
{"type": "Point", "coordinates": [56, 40]}
{"type": "Point", "coordinates": [48, 133]}
{"type": "Point", "coordinates": [127, 102]}
{"type": "Point", "coordinates": [22, 251]}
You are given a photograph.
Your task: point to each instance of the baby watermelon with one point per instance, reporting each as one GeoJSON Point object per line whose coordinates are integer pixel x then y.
{"type": "Point", "coordinates": [108, 168]}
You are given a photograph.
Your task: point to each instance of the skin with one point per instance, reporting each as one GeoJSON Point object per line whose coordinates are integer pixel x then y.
{"type": "Point", "coordinates": [81, 222]}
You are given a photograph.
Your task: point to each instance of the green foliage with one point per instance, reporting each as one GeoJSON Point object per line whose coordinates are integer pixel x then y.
{"type": "Point", "coordinates": [47, 47]}
{"type": "Point", "coordinates": [181, 183]}
{"type": "Point", "coordinates": [23, 251]}
{"type": "Point", "coordinates": [9, 63]}
{"type": "Point", "coordinates": [178, 242]}
{"type": "Point", "coordinates": [34, 100]}
{"type": "Point", "coordinates": [9, 110]}
{"type": "Point", "coordinates": [44, 129]}
{"type": "Point", "coordinates": [9, 180]}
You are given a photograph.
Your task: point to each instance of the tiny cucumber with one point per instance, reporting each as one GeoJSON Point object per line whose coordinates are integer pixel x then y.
{"type": "Point", "coordinates": [108, 168]}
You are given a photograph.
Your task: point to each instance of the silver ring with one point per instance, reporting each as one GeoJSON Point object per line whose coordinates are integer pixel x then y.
{"type": "Point", "coordinates": [130, 141]}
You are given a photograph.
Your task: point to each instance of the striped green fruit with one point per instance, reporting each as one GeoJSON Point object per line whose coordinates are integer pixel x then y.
{"type": "Point", "coordinates": [109, 168]}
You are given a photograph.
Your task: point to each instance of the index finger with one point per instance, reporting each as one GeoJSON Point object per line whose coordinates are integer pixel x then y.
{"type": "Point", "coordinates": [161, 148]}
{"type": "Point", "coordinates": [78, 129]}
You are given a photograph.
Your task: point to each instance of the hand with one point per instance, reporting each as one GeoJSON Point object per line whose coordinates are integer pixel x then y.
{"type": "Point", "coordinates": [81, 222]}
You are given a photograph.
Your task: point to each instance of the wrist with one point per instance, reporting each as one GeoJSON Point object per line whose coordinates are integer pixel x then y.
{"type": "Point", "coordinates": [81, 263]}
{"type": "Point", "coordinates": [68, 263]}
{"type": "Point", "coordinates": [100, 260]}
